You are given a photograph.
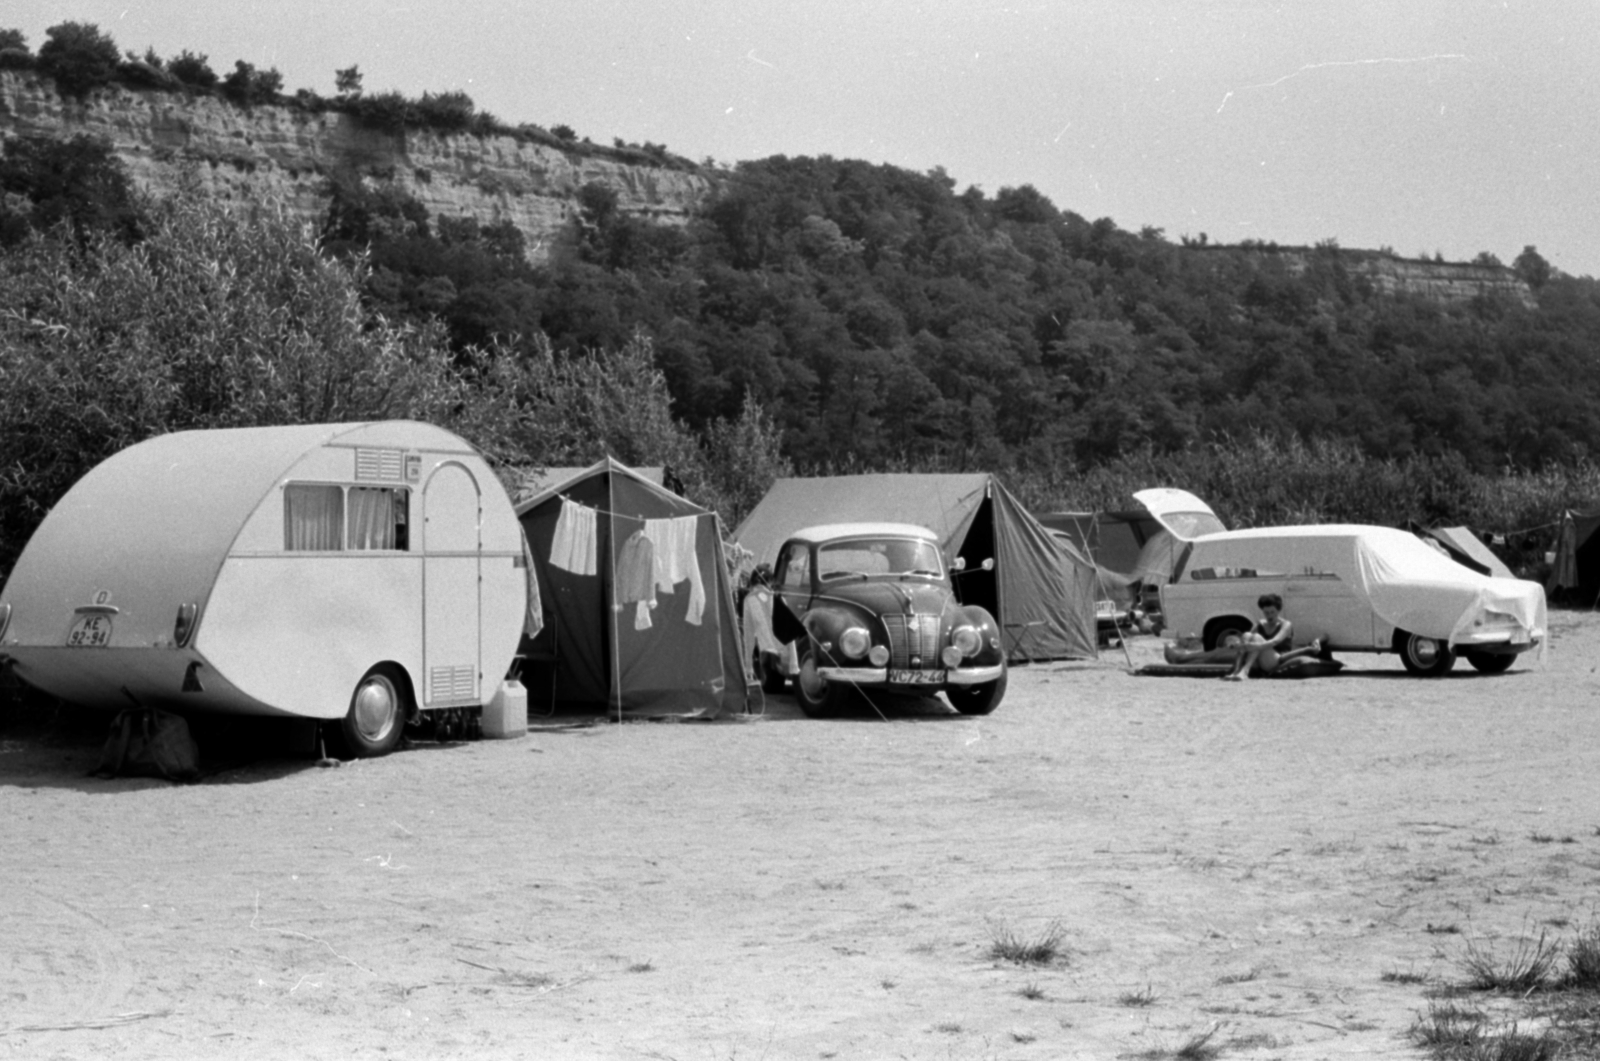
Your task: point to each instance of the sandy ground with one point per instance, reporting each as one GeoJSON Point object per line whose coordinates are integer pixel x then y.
{"type": "Point", "coordinates": [1273, 862]}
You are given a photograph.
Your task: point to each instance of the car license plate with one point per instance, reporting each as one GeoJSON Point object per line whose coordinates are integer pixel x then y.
{"type": "Point", "coordinates": [916, 677]}
{"type": "Point", "coordinates": [90, 631]}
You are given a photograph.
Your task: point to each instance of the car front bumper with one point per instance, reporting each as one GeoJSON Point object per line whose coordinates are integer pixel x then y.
{"type": "Point", "coordinates": [880, 675]}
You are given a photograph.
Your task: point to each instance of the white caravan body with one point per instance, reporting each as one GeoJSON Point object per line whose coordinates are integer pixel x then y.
{"type": "Point", "coordinates": [265, 570]}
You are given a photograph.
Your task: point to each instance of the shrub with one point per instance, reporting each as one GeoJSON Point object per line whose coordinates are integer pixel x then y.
{"type": "Point", "coordinates": [79, 57]}
{"type": "Point", "coordinates": [14, 53]}
{"type": "Point", "coordinates": [386, 110]}
{"type": "Point", "coordinates": [449, 112]}
{"type": "Point", "coordinates": [563, 132]}
{"type": "Point", "coordinates": [192, 69]}
{"type": "Point", "coordinates": [248, 86]}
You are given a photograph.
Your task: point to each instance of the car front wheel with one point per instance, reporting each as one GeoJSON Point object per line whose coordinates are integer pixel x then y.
{"type": "Point", "coordinates": [977, 699]}
{"type": "Point", "coordinates": [1490, 662]}
{"type": "Point", "coordinates": [1225, 633]}
{"type": "Point", "coordinates": [1426, 657]}
{"type": "Point", "coordinates": [819, 698]}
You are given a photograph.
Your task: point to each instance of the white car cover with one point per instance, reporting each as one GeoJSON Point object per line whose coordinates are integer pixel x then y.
{"type": "Point", "coordinates": [1420, 589]}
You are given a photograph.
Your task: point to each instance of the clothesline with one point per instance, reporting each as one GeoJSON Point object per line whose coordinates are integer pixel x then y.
{"type": "Point", "coordinates": [624, 515]}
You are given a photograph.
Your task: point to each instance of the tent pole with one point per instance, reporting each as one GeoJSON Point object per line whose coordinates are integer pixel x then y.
{"type": "Point", "coordinates": [611, 553]}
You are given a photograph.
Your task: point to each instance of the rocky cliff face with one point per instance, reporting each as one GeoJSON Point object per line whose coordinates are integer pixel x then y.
{"type": "Point", "coordinates": [290, 154]}
{"type": "Point", "coordinates": [1447, 282]}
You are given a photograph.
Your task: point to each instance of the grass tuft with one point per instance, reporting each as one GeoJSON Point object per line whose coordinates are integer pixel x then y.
{"type": "Point", "coordinates": [1526, 969]}
{"type": "Point", "coordinates": [1007, 944]}
{"type": "Point", "coordinates": [1145, 996]}
{"type": "Point", "coordinates": [1032, 992]}
{"type": "Point", "coordinates": [1583, 961]}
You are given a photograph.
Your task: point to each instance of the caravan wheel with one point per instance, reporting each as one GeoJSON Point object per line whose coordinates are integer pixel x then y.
{"type": "Point", "coordinates": [377, 714]}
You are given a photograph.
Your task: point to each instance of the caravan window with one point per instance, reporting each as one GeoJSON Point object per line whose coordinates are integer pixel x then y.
{"type": "Point", "coordinates": [313, 517]}
{"type": "Point", "coordinates": [379, 518]}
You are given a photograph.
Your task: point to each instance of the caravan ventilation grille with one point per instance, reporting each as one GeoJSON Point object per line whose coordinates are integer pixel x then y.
{"type": "Point", "coordinates": [452, 683]}
{"type": "Point", "coordinates": [379, 465]}
{"type": "Point", "coordinates": [913, 636]}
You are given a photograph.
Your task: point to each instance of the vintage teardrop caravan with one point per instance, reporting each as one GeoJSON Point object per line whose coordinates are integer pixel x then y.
{"type": "Point", "coordinates": [353, 572]}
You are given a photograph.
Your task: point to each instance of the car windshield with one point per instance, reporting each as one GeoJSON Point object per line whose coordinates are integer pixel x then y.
{"type": "Point", "coordinates": [879, 556]}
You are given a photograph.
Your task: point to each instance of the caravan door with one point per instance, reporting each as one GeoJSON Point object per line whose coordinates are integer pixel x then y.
{"type": "Point", "coordinates": [452, 549]}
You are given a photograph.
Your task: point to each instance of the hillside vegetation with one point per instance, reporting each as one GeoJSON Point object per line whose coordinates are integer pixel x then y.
{"type": "Point", "coordinates": [816, 314]}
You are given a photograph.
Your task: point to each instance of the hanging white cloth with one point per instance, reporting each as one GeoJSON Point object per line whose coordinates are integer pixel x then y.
{"type": "Point", "coordinates": [676, 561]}
{"type": "Point", "coordinates": [573, 547]}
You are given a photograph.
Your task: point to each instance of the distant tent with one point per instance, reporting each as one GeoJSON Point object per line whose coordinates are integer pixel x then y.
{"type": "Point", "coordinates": [1042, 590]}
{"type": "Point", "coordinates": [599, 646]}
{"type": "Point", "coordinates": [1576, 570]}
{"type": "Point", "coordinates": [1126, 547]}
{"type": "Point", "coordinates": [1464, 547]}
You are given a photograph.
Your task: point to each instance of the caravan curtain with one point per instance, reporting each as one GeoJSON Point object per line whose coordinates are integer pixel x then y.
{"type": "Point", "coordinates": [372, 517]}
{"type": "Point", "coordinates": [313, 517]}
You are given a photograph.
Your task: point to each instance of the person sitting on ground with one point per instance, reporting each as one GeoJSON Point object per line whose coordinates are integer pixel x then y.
{"type": "Point", "coordinates": [1263, 647]}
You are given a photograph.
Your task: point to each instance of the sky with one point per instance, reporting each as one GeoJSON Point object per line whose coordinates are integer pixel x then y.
{"type": "Point", "coordinates": [1425, 126]}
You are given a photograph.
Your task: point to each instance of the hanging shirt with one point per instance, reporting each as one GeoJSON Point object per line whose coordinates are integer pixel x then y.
{"type": "Point", "coordinates": [636, 577]}
{"type": "Point", "coordinates": [676, 560]}
{"type": "Point", "coordinates": [573, 547]}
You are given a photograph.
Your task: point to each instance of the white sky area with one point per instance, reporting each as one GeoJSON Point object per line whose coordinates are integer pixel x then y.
{"type": "Point", "coordinates": [1450, 126]}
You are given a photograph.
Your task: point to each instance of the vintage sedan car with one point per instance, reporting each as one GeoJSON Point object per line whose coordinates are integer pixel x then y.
{"type": "Point", "coordinates": [871, 607]}
{"type": "Point", "coordinates": [1358, 589]}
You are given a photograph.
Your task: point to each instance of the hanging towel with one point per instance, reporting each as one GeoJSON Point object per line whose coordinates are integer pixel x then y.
{"type": "Point", "coordinates": [573, 546]}
{"type": "Point", "coordinates": [676, 560]}
{"type": "Point", "coordinates": [636, 582]}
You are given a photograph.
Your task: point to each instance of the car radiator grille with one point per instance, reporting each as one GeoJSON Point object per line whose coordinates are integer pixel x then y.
{"type": "Point", "coordinates": [913, 635]}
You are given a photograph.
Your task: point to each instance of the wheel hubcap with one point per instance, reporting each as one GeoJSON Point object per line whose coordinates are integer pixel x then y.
{"type": "Point", "coordinates": [376, 706]}
{"type": "Point", "coordinates": [811, 683]}
{"type": "Point", "coordinates": [1425, 650]}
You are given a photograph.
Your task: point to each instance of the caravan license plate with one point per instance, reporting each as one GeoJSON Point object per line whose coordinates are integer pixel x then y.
{"type": "Point", "coordinates": [90, 631]}
{"type": "Point", "coordinates": [916, 677]}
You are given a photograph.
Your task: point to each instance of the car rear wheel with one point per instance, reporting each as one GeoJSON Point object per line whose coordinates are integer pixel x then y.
{"type": "Point", "coordinates": [377, 715]}
{"type": "Point", "coordinates": [819, 698]}
{"type": "Point", "coordinates": [977, 699]}
{"type": "Point", "coordinates": [1225, 633]}
{"type": "Point", "coordinates": [1490, 662]}
{"type": "Point", "coordinates": [1426, 657]}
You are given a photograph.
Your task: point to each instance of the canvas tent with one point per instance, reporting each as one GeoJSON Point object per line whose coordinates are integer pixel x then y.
{"type": "Point", "coordinates": [1041, 590]}
{"type": "Point", "coordinates": [1576, 570]}
{"type": "Point", "coordinates": [1140, 545]}
{"type": "Point", "coordinates": [600, 646]}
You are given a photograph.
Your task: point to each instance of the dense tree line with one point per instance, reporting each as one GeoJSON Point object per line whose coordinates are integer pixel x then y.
{"type": "Point", "coordinates": [886, 320]}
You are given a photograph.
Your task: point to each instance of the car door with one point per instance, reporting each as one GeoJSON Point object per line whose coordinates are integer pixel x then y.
{"type": "Point", "coordinates": [1322, 599]}
{"type": "Point", "coordinates": [792, 586]}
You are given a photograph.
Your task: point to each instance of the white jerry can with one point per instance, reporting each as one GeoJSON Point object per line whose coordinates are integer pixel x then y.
{"type": "Point", "coordinates": [506, 714]}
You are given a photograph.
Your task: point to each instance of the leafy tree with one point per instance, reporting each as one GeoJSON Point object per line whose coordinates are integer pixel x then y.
{"type": "Point", "coordinates": [78, 183]}
{"type": "Point", "coordinates": [248, 86]}
{"type": "Point", "coordinates": [347, 82]}
{"type": "Point", "coordinates": [192, 69]}
{"type": "Point", "coordinates": [448, 112]}
{"type": "Point", "coordinates": [79, 57]}
{"type": "Point", "coordinates": [218, 318]}
{"type": "Point", "coordinates": [1531, 267]}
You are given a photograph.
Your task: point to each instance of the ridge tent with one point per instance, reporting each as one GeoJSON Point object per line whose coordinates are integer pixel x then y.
{"type": "Point", "coordinates": [1577, 559]}
{"type": "Point", "coordinates": [608, 648]}
{"type": "Point", "coordinates": [1042, 590]}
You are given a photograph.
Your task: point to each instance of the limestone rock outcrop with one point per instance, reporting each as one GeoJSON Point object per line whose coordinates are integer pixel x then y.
{"type": "Point", "coordinates": [290, 153]}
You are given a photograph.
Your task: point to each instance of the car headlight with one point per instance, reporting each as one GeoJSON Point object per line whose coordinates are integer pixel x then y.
{"type": "Point", "coordinates": [950, 656]}
{"type": "Point", "coordinates": [854, 642]}
{"type": "Point", "coordinates": [879, 655]}
{"type": "Point", "coordinates": [967, 640]}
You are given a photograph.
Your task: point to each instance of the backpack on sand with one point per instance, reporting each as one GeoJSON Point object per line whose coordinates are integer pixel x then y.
{"type": "Point", "coordinates": [145, 742]}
